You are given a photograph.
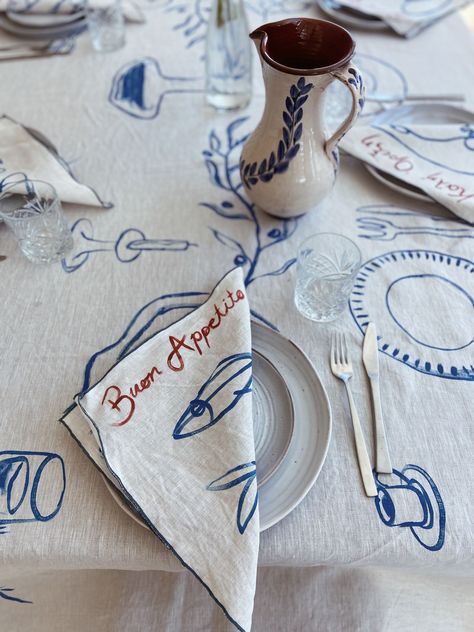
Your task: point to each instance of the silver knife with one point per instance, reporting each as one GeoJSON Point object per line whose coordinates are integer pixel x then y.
{"type": "Point", "coordinates": [371, 363]}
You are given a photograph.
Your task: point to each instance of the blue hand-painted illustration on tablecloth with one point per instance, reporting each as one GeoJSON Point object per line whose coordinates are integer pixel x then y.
{"type": "Point", "coordinates": [454, 152]}
{"type": "Point", "coordinates": [413, 503]}
{"type": "Point", "coordinates": [220, 393]}
{"type": "Point", "coordinates": [222, 162]}
{"type": "Point", "coordinates": [192, 16]}
{"type": "Point", "coordinates": [438, 284]}
{"type": "Point", "coordinates": [246, 475]}
{"type": "Point", "coordinates": [129, 245]}
{"type": "Point", "coordinates": [139, 87]}
{"type": "Point", "coordinates": [386, 222]}
{"type": "Point", "coordinates": [288, 146]}
{"type": "Point", "coordinates": [422, 301]}
{"type": "Point", "coordinates": [32, 486]}
{"type": "Point", "coordinates": [6, 593]}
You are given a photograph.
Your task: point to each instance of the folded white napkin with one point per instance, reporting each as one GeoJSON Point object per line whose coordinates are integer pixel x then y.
{"type": "Point", "coordinates": [172, 425]}
{"type": "Point", "coordinates": [406, 17]}
{"type": "Point", "coordinates": [439, 159]}
{"type": "Point", "coordinates": [131, 10]}
{"type": "Point", "coordinates": [23, 154]}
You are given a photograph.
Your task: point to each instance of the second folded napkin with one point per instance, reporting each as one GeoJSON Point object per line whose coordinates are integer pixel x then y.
{"type": "Point", "coordinates": [23, 153]}
{"type": "Point", "coordinates": [439, 159]}
{"type": "Point", "coordinates": [406, 17]}
{"type": "Point", "coordinates": [173, 425]}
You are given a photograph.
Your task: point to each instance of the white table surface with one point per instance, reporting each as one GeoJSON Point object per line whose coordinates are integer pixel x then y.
{"type": "Point", "coordinates": [53, 321]}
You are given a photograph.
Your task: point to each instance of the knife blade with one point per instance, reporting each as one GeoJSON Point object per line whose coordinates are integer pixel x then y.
{"type": "Point", "coordinates": [371, 363]}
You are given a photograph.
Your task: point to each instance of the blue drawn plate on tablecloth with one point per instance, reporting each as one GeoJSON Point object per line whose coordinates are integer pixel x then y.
{"type": "Point", "coordinates": [301, 443]}
{"type": "Point", "coordinates": [419, 300]}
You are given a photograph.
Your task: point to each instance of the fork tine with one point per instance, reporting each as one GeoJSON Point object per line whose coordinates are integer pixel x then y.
{"type": "Point", "coordinates": [339, 347]}
{"type": "Point", "coordinates": [333, 352]}
{"type": "Point", "coordinates": [345, 351]}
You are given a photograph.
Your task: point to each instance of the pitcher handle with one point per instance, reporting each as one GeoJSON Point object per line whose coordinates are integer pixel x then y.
{"type": "Point", "coordinates": [350, 76]}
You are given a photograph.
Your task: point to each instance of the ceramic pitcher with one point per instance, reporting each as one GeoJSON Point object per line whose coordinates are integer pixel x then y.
{"type": "Point", "coordinates": [288, 166]}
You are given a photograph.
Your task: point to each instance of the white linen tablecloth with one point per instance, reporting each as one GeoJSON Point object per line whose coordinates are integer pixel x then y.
{"type": "Point", "coordinates": [133, 124]}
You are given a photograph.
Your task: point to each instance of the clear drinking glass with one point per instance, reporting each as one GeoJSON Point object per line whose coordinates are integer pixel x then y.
{"type": "Point", "coordinates": [326, 268]}
{"type": "Point", "coordinates": [228, 56]}
{"type": "Point", "coordinates": [32, 210]}
{"type": "Point", "coordinates": [106, 25]}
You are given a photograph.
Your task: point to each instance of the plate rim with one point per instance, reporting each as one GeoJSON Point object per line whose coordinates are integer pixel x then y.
{"type": "Point", "coordinates": [41, 33]}
{"type": "Point", "coordinates": [298, 498]}
{"type": "Point", "coordinates": [292, 429]}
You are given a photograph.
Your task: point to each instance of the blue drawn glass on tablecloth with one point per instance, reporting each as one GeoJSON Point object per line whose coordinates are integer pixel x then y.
{"type": "Point", "coordinates": [432, 355]}
{"type": "Point", "coordinates": [21, 494]}
{"type": "Point", "coordinates": [463, 142]}
{"type": "Point", "coordinates": [386, 222]}
{"type": "Point", "coordinates": [139, 87]}
{"type": "Point", "coordinates": [288, 146]}
{"type": "Point", "coordinates": [230, 381]}
{"type": "Point", "coordinates": [245, 473]}
{"type": "Point", "coordinates": [429, 526]}
{"type": "Point", "coordinates": [9, 597]}
{"type": "Point", "coordinates": [129, 245]}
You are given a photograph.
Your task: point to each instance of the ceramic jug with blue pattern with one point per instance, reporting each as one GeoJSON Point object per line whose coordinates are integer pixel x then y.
{"type": "Point", "coordinates": [288, 165]}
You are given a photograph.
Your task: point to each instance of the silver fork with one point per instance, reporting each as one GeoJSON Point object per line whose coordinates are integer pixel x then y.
{"type": "Point", "coordinates": [341, 366]}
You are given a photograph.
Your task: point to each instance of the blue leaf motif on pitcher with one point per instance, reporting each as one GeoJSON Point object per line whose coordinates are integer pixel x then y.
{"type": "Point", "coordinates": [288, 146]}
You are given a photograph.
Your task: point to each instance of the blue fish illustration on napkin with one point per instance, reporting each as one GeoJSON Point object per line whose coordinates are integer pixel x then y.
{"type": "Point", "coordinates": [220, 393]}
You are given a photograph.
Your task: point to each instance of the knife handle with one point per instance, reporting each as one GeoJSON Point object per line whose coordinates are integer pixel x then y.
{"type": "Point", "coordinates": [382, 460]}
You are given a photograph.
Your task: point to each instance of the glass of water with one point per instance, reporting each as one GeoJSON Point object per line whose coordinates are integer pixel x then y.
{"type": "Point", "coordinates": [326, 268]}
{"type": "Point", "coordinates": [106, 25]}
{"type": "Point", "coordinates": [31, 208]}
{"type": "Point", "coordinates": [228, 56]}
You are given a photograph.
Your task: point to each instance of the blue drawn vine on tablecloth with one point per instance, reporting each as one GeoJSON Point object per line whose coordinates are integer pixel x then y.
{"type": "Point", "coordinates": [245, 473]}
{"type": "Point", "coordinates": [288, 146]}
{"type": "Point", "coordinates": [4, 595]}
{"type": "Point", "coordinates": [223, 172]}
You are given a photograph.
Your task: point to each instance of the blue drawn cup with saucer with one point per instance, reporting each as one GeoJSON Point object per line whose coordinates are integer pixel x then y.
{"type": "Point", "coordinates": [413, 502]}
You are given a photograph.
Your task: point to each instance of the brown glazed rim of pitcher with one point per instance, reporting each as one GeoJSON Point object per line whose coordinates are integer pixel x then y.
{"type": "Point", "coordinates": [261, 34]}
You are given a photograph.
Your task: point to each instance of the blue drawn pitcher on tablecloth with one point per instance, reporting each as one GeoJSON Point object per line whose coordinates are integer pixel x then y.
{"type": "Point", "coordinates": [288, 166]}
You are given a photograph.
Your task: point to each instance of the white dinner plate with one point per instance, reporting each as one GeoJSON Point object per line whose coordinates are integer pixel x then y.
{"type": "Point", "coordinates": [42, 20]}
{"type": "Point", "coordinates": [351, 17]}
{"type": "Point", "coordinates": [41, 33]}
{"type": "Point", "coordinates": [296, 466]}
{"type": "Point", "coordinates": [423, 113]}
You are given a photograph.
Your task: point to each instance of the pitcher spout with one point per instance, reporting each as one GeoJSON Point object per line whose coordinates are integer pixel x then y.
{"type": "Point", "coordinates": [303, 46]}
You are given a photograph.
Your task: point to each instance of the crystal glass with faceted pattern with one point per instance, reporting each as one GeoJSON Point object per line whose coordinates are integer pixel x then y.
{"type": "Point", "coordinates": [326, 268]}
